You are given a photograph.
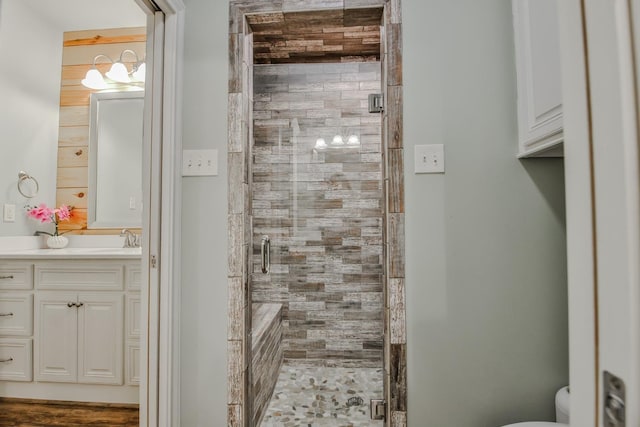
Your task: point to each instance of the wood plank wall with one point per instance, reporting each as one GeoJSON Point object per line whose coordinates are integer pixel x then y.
{"type": "Point", "coordinates": [328, 36]}
{"type": "Point", "coordinates": [79, 49]}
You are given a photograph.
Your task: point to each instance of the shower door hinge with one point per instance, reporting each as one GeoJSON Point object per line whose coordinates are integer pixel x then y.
{"type": "Point", "coordinates": [376, 103]}
{"type": "Point", "coordinates": [378, 409]}
{"type": "Point", "coordinates": [614, 401]}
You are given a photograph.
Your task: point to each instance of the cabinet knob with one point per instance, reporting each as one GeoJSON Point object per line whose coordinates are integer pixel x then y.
{"type": "Point", "coordinates": [80, 304]}
{"type": "Point", "coordinates": [9, 360]}
{"type": "Point", "coordinates": [71, 304]}
{"type": "Point", "coordinates": [6, 277]}
{"type": "Point", "coordinates": [6, 314]}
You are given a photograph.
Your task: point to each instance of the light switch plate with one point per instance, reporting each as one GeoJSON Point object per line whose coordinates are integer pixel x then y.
{"type": "Point", "coordinates": [429, 158]}
{"type": "Point", "coordinates": [9, 212]}
{"type": "Point", "coordinates": [199, 162]}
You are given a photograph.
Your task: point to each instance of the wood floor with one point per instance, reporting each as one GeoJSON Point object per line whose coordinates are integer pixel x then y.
{"type": "Point", "coordinates": [18, 412]}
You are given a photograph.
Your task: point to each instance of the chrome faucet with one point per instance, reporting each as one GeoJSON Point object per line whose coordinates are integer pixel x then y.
{"type": "Point", "coordinates": [131, 240]}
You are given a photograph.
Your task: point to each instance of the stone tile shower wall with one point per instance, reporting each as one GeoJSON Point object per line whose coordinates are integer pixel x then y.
{"type": "Point", "coordinates": [322, 209]}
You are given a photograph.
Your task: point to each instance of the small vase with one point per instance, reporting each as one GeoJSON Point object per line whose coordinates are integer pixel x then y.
{"type": "Point", "coordinates": [57, 242]}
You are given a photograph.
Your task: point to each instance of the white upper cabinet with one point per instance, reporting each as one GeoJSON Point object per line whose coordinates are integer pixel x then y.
{"type": "Point", "coordinates": [539, 80]}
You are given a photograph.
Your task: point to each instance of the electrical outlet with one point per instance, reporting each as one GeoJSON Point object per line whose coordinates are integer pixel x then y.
{"type": "Point", "coordinates": [429, 158]}
{"type": "Point", "coordinates": [199, 162]}
{"type": "Point", "coordinates": [9, 212]}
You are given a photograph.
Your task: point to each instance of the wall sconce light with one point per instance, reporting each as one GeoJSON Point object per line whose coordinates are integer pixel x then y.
{"type": "Point", "coordinates": [118, 72]}
{"type": "Point", "coordinates": [139, 73]}
{"type": "Point", "coordinates": [337, 140]}
{"type": "Point", "coordinates": [320, 144]}
{"type": "Point", "coordinates": [93, 79]}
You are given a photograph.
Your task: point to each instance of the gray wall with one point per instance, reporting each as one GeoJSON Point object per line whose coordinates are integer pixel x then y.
{"type": "Point", "coordinates": [204, 220]}
{"type": "Point", "coordinates": [486, 280]}
{"type": "Point", "coordinates": [29, 110]}
{"type": "Point", "coordinates": [486, 266]}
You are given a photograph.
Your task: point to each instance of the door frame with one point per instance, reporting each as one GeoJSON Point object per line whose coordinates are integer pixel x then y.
{"type": "Point", "coordinates": [239, 218]}
{"type": "Point", "coordinates": [160, 385]}
{"type": "Point", "coordinates": [602, 166]}
{"type": "Point", "coordinates": [581, 254]}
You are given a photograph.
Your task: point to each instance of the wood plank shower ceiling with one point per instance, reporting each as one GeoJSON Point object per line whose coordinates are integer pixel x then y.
{"type": "Point", "coordinates": [319, 36]}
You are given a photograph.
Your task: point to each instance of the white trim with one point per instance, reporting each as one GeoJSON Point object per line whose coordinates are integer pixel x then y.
{"type": "Point", "coordinates": [169, 360]}
{"type": "Point", "coordinates": [616, 172]}
{"type": "Point", "coordinates": [147, 381]}
{"type": "Point", "coordinates": [155, 219]}
{"type": "Point", "coordinates": [160, 398]}
{"type": "Point", "coordinates": [579, 205]}
{"type": "Point", "coordinates": [95, 100]}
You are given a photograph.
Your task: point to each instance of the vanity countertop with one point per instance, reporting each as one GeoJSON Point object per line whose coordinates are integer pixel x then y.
{"type": "Point", "coordinates": [72, 253]}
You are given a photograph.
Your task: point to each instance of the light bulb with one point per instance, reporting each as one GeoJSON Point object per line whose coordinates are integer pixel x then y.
{"type": "Point", "coordinates": [353, 140]}
{"type": "Point", "coordinates": [119, 73]}
{"type": "Point", "coordinates": [337, 140]}
{"type": "Point", "coordinates": [139, 73]}
{"type": "Point", "coordinates": [320, 143]}
{"type": "Point", "coordinates": [94, 80]}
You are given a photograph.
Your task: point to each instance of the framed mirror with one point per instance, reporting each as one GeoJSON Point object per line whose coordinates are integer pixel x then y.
{"type": "Point", "coordinates": [115, 160]}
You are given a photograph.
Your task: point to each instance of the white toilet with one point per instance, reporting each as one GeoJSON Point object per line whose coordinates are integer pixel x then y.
{"type": "Point", "coordinates": [562, 412]}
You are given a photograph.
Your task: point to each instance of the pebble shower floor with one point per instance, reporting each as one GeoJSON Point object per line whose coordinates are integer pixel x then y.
{"type": "Point", "coordinates": [324, 396]}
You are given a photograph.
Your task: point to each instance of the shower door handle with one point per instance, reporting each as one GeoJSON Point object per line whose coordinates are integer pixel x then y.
{"type": "Point", "coordinates": [265, 254]}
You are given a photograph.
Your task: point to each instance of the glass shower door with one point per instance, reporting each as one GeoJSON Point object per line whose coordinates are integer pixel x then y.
{"type": "Point", "coordinates": [316, 194]}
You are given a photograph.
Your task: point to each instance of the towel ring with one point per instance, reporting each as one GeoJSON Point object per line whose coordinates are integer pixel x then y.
{"type": "Point", "coordinates": [27, 190]}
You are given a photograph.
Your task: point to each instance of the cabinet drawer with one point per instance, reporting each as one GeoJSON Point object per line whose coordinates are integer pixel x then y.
{"type": "Point", "coordinates": [132, 367]}
{"type": "Point", "coordinates": [16, 275]}
{"type": "Point", "coordinates": [84, 275]}
{"type": "Point", "coordinates": [16, 314]}
{"type": "Point", "coordinates": [15, 359]}
{"type": "Point", "coordinates": [134, 277]}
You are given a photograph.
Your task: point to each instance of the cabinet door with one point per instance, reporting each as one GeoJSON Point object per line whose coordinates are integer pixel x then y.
{"type": "Point", "coordinates": [56, 337]}
{"type": "Point", "coordinates": [100, 338]}
{"type": "Point", "coordinates": [540, 119]}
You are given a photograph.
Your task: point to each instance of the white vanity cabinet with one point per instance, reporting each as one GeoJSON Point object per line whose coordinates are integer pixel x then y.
{"type": "Point", "coordinates": [70, 328]}
{"type": "Point", "coordinates": [79, 337]}
{"type": "Point", "coordinates": [16, 321]}
{"type": "Point", "coordinates": [80, 321]}
{"type": "Point", "coordinates": [539, 87]}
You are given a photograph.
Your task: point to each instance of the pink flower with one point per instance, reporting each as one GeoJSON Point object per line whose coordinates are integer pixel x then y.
{"type": "Point", "coordinates": [44, 214]}
{"type": "Point", "coordinates": [41, 213]}
{"type": "Point", "coordinates": [63, 212]}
